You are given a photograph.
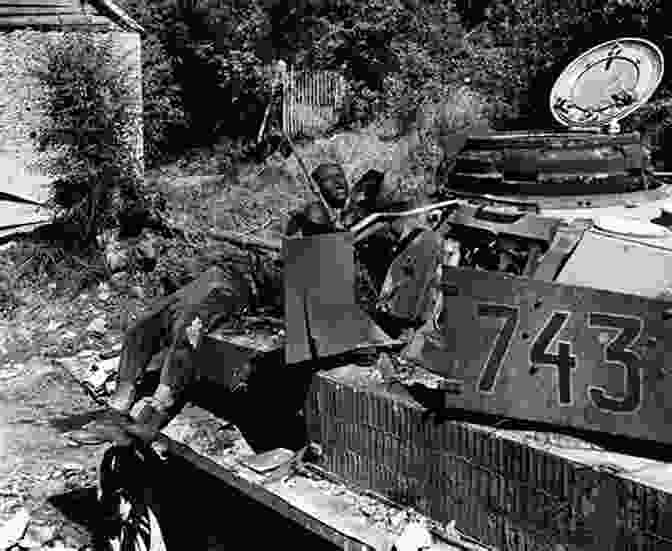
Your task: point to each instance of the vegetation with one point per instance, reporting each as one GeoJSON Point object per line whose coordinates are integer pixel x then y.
{"type": "Point", "coordinates": [417, 69]}
{"type": "Point", "coordinates": [83, 141]}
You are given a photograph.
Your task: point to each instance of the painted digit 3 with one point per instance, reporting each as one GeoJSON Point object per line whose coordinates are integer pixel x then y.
{"type": "Point", "coordinates": [617, 353]}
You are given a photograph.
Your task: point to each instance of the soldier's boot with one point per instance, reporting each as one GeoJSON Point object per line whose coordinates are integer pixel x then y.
{"type": "Point", "coordinates": [154, 414]}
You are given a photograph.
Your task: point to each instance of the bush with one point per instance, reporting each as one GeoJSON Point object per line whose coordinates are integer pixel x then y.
{"type": "Point", "coordinates": [83, 137]}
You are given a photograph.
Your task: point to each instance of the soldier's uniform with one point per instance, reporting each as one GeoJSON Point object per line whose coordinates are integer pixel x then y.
{"type": "Point", "coordinates": [220, 294]}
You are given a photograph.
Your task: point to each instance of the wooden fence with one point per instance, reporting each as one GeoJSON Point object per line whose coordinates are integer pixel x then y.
{"type": "Point", "coordinates": [312, 101]}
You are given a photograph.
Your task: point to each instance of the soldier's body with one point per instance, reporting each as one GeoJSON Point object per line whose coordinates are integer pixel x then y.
{"type": "Point", "coordinates": [222, 293]}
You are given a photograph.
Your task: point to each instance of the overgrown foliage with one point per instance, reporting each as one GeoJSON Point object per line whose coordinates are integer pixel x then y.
{"type": "Point", "coordinates": [541, 36]}
{"type": "Point", "coordinates": [83, 138]}
{"type": "Point", "coordinates": [203, 58]}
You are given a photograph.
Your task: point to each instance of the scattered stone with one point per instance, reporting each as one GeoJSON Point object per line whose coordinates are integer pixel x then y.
{"type": "Point", "coordinates": [100, 373]}
{"type": "Point", "coordinates": [72, 467]}
{"type": "Point", "coordinates": [117, 259]}
{"type": "Point", "coordinates": [385, 367]}
{"type": "Point", "coordinates": [59, 545]}
{"type": "Point", "coordinates": [137, 291]}
{"type": "Point", "coordinates": [12, 531]}
{"type": "Point", "coordinates": [104, 291]}
{"type": "Point", "coordinates": [72, 537]}
{"type": "Point", "coordinates": [37, 536]}
{"type": "Point", "coordinates": [110, 386]}
{"type": "Point", "coordinates": [146, 253]}
{"type": "Point", "coordinates": [97, 326]}
{"type": "Point", "coordinates": [119, 278]}
{"type": "Point", "coordinates": [111, 352]}
{"type": "Point", "coordinates": [54, 326]}
{"type": "Point", "coordinates": [47, 488]}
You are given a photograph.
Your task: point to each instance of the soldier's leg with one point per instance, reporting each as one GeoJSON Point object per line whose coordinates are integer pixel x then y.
{"type": "Point", "coordinates": [142, 341]}
{"type": "Point", "coordinates": [155, 412]}
{"type": "Point", "coordinates": [213, 298]}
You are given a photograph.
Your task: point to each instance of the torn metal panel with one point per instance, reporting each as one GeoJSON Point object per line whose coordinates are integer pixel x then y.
{"type": "Point", "coordinates": [407, 291]}
{"type": "Point", "coordinates": [322, 316]}
{"type": "Point", "coordinates": [564, 243]}
{"type": "Point", "coordinates": [566, 355]}
{"type": "Point", "coordinates": [498, 221]}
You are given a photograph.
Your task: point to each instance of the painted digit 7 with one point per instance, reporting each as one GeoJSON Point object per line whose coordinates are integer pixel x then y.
{"type": "Point", "coordinates": [618, 353]}
{"type": "Point", "coordinates": [486, 382]}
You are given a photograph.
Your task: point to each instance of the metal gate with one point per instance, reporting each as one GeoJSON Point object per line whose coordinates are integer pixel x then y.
{"type": "Point", "coordinates": [312, 101]}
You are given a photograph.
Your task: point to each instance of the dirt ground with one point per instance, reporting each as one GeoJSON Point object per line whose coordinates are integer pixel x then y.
{"type": "Point", "coordinates": [40, 470]}
{"type": "Point", "coordinates": [51, 480]}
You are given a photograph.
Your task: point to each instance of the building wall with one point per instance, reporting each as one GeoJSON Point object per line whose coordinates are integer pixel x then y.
{"type": "Point", "coordinates": [20, 98]}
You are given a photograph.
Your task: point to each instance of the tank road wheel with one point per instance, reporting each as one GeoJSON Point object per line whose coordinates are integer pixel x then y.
{"type": "Point", "coordinates": [130, 518]}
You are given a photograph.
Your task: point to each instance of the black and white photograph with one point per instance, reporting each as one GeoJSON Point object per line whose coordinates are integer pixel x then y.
{"type": "Point", "coordinates": [368, 275]}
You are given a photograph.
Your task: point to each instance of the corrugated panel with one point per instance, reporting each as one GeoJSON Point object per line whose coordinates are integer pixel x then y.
{"type": "Point", "coordinates": [55, 13]}
{"type": "Point", "coordinates": [55, 21]}
{"type": "Point", "coordinates": [507, 488]}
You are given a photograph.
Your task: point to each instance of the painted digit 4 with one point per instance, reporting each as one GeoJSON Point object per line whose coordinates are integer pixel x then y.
{"type": "Point", "coordinates": [564, 361]}
{"type": "Point", "coordinates": [618, 353]}
{"type": "Point", "coordinates": [486, 382]}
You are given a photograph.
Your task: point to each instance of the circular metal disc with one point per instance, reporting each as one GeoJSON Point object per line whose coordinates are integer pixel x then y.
{"type": "Point", "coordinates": [631, 227]}
{"type": "Point", "coordinates": [607, 83]}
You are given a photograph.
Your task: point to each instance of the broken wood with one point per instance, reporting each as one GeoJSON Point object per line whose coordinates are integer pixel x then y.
{"type": "Point", "coordinates": [246, 241]}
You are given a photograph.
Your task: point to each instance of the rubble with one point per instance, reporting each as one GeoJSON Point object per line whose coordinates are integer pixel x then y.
{"type": "Point", "coordinates": [97, 326]}
{"type": "Point", "coordinates": [137, 292]}
{"type": "Point", "coordinates": [414, 537]}
{"type": "Point", "coordinates": [12, 531]}
{"type": "Point", "coordinates": [104, 291]}
{"type": "Point", "coordinates": [119, 279]}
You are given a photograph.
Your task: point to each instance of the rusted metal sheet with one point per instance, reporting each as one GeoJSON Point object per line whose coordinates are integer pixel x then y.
{"type": "Point", "coordinates": [322, 316]}
{"type": "Point", "coordinates": [511, 488]}
{"type": "Point", "coordinates": [562, 354]}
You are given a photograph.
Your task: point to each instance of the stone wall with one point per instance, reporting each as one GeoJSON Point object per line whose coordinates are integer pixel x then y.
{"type": "Point", "coordinates": [21, 51]}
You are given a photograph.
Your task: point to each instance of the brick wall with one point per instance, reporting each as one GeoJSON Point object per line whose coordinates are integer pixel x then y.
{"type": "Point", "coordinates": [20, 52]}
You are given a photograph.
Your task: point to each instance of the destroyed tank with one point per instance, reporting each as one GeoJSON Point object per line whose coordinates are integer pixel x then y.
{"type": "Point", "coordinates": [528, 411]}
